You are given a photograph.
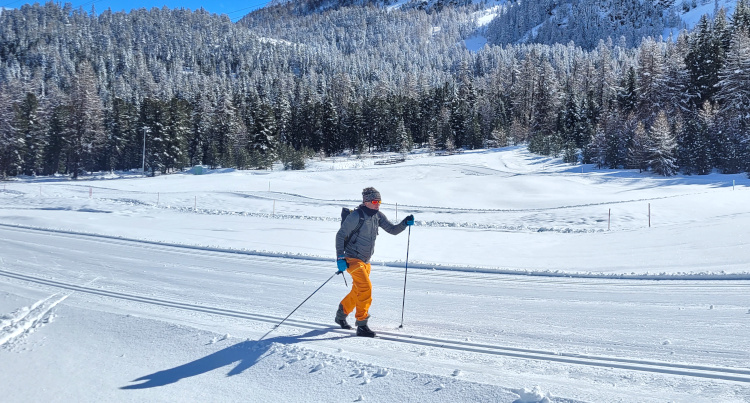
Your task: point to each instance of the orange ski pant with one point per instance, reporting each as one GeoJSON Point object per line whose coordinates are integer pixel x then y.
{"type": "Point", "coordinates": [360, 296]}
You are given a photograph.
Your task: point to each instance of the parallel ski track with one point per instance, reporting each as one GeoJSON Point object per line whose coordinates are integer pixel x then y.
{"type": "Point", "coordinates": [22, 324]}
{"type": "Point", "coordinates": [297, 198]}
{"type": "Point", "coordinates": [695, 371]}
{"type": "Point", "coordinates": [434, 269]}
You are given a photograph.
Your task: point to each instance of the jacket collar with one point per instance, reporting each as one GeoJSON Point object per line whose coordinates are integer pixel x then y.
{"type": "Point", "coordinates": [368, 211]}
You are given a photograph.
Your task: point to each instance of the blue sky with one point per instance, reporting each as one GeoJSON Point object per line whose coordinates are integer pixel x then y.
{"type": "Point", "coordinates": [235, 9]}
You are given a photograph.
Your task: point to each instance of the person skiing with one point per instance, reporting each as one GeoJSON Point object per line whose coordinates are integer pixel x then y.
{"type": "Point", "coordinates": [355, 244]}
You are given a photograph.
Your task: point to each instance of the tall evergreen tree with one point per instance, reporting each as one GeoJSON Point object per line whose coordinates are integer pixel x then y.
{"type": "Point", "coordinates": [733, 93]}
{"type": "Point", "coordinates": [30, 130]}
{"type": "Point", "coordinates": [122, 148]}
{"type": "Point", "coordinates": [223, 132]}
{"type": "Point", "coordinates": [627, 94]}
{"type": "Point", "coordinates": [58, 115]}
{"type": "Point", "coordinates": [201, 118]}
{"type": "Point", "coordinates": [704, 60]}
{"type": "Point", "coordinates": [741, 18]}
{"type": "Point", "coordinates": [332, 140]}
{"type": "Point", "coordinates": [153, 124]}
{"type": "Point", "coordinates": [662, 145]}
{"type": "Point", "coordinates": [544, 137]}
{"type": "Point", "coordinates": [84, 137]}
{"type": "Point", "coordinates": [11, 144]}
{"type": "Point", "coordinates": [263, 137]}
{"type": "Point", "coordinates": [176, 136]}
{"type": "Point", "coordinates": [638, 152]}
{"type": "Point", "coordinates": [652, 86]}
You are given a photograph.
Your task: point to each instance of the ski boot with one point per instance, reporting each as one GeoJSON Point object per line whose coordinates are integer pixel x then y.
{"type": "Point", "coordinates": [365, 331]}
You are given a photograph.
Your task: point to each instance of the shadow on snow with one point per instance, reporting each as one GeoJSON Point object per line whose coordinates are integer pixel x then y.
{"type": "Point", "coordinates": [245, 354]}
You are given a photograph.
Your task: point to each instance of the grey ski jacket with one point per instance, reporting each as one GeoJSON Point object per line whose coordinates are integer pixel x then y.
{"type": "Point", "coordinates": [361, 245]}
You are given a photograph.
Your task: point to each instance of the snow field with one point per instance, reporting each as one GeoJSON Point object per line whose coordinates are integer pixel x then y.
{"type": "Point", "coordinates": [160, 287]}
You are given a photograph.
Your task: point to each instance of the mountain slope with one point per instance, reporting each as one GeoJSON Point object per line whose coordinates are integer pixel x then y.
{"type": "Point", "coordinates": [584, 22]}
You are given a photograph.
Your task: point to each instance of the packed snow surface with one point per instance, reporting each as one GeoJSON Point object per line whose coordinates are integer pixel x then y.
{"type": "Point", "coordinates": [528, 280]}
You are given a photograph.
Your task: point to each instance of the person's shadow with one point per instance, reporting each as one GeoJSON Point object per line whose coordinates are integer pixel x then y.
{"type": "Point", "coordinates": [246, 353]}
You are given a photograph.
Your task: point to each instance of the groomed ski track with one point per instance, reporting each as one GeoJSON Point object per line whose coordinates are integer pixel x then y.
{"type": "Point", "coordinates": [698, 371]}
{"type": "Point", "coordinates": [444, 269]}
{"type": "Point", "coordinates": [590, 360]}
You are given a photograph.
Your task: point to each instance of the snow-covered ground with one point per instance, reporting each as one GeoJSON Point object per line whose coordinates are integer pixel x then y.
{"type": "Point", "coordinates": [709, 8]}
{"type": "Point", "coordinates": [528, 279]}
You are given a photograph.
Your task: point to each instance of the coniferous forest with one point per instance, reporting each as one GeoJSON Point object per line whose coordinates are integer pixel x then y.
{"type": "Point", "coordinates": [84, 91]}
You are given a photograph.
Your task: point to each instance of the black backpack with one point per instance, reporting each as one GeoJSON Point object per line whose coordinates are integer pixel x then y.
{"type": "Point", "coordinates": [345, 213]}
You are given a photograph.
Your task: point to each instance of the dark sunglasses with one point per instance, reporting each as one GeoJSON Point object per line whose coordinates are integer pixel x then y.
{"type": "Point", "coordinates": [376, 202]}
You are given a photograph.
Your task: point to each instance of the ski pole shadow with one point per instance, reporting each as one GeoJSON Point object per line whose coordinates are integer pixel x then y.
{"type": "Point", "coordinates": [245, 354]}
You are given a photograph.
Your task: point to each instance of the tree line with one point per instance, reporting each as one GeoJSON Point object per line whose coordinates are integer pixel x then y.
{"type": "Point", "coordinates": [82, 92]}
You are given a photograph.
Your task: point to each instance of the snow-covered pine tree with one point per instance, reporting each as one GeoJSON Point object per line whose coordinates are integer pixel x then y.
{"type": "Point", "coordinates": [263, 141]}
{"type": "Point", "coordinates": [595, 152]}
{"type": "Point", "coordinates": [741, 17]}
{"type": "Point", "coordinates": [733, 97]}
{"type": "Point", "coordinates": [30, 129]}
{"type": "Point", "coordinates": [638, 149]}
{"type": "Point", "coordinates": [283, 111]}
{"type": "Point", "coordinates": [605, 80]}
{"type": "Point", "coordinates": [223, 131]}
{"type": "Point", "coordinates": [627, 94]}
{"type": "Point", "coordinates": [58, 112]}
{"type": "Point", "coordinates": [704, 60]}
{"type": "Point", "coordinates": [676, 96]}
{"type": "Point", "coordinates": [85, 134]}
{"type": "Point", "coordinates": [200, 121]}
{"type": "Point", "coordinates": [153, 124]}
{"type": "Point", "coordinates": [358, 131]}
{"type": "Point", "coordinates": [177, 133]}
{"type": "Point", "coordinates": [121, 124]}
{"type": "Point", "coordinates": [544, 137]}
{"type": "Point", "coordinates": [704, 151]}
{"type": "Point", "coordinates": [661, 147]}
{"type": "Point", "coordinates": [404, 138]}
{"type": "Point", "coordinates": [10, 143]}
{"type": "Point", "coordinates": [652, 86]}
{"type": "Point", "coordinates": [332, 140]}
{"type": "Point", "coordinates": [570, 119]}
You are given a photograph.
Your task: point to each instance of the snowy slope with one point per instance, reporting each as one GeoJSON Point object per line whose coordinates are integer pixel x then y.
{"type": "Point", "coordinates": [160, 289]}
{"type": "Point", "coordinates": [691, 18]}
{"type": "Point", "coordinates": [541, 215]}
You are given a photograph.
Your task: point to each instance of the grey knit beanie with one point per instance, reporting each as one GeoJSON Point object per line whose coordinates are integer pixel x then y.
{"type": "Point", "coordinates": [370, 194]}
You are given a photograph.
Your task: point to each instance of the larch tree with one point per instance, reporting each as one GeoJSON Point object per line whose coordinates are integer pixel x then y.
{"type": "Point", "coordinates": [85, 132]}
{"type": "Point", "coordinates": [661, 147]}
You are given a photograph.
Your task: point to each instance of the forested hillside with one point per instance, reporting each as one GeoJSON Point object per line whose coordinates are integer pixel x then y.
{"type": "Point", "coordinates": [81, 92]}
{"type": "Point", "coordinates": [584, 22]}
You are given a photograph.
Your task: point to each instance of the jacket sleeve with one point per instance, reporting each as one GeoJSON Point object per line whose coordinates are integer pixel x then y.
{"type": "Point", "coordinates": [393, 229]}
{"type": "Point", "coordinates": [349, 224]}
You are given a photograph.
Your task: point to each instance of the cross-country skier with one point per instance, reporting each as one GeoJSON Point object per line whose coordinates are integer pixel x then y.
{"type": "Point", "coordinates": [355, 243]}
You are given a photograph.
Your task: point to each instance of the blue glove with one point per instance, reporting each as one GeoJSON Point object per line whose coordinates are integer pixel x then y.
{"type": "Point", "coordinates": [409, 220]}
{"type": "Point", "coordinates": [341, 263]}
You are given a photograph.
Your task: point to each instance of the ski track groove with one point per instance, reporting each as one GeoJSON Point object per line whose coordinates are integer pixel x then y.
{"type": "Point", "coordinates": [27, 319]}
{"type": "Point", "coordinates": [695, 371]}
{"type": "Point", "coordinates": [532, 274]}
{"type": "Point", "coordinates": [18, 316]}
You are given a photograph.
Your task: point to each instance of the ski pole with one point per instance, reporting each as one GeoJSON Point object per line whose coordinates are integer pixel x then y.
{"type": "Point", "coordinates": [344, 277]}
{"type": "Point", "coordinates": [403, 303]}
{"type": "Point", "coordinates": [295, 309]}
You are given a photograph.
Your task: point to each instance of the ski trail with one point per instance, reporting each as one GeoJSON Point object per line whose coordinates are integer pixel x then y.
{"type": "Point", "coordinates": [6, 321]}
{"type": "Point", "coordinates": [25, 320]}
{"type": "Point", "coordinates": [734, 374]}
